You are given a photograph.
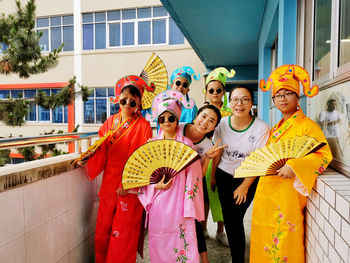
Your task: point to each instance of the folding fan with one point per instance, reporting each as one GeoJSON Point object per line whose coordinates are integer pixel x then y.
{"type": "Point", "coordinates": [268, 159]}
{"type": "Point", "coordinates": [154, 72]}
{"type": "Point", "coordinates": [151, 161]}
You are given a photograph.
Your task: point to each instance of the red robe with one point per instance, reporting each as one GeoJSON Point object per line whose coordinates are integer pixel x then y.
{"type": "Point", "coordinates": [119, 217]}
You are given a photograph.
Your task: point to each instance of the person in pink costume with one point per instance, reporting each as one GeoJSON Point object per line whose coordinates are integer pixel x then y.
{"type": "Point", "coordinates": [173, 207]}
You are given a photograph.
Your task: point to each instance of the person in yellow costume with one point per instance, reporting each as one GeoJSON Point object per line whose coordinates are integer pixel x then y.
{"type": "Point", "coordinates": [277, 233]}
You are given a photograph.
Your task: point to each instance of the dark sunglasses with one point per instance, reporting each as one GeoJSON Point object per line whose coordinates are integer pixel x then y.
{"type": "Point", "coordinates": [184, 84]}
{"type": "Point", "coordinates": [132, 103]}
{"type": "Point", "coordinates": [171, 119]}
{"type": "Point", "coordinates": [218, 91]}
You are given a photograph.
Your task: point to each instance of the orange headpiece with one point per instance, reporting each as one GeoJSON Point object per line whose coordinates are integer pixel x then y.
{"type": "Point", "coordinates": [288, 77]}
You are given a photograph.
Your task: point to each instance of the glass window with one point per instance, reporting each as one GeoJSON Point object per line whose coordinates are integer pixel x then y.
{"type": "Point", "coordinates": [113, 15]}
{"type": "Point", "coordinates": [4, 94]}
{"type": "Point", "coordinates": [88, 18]}
{"type": "Point", "coordinates": [42, 22]}
{"type": "Point", "coordinates": [55, 21]}
{"type": "Point", "coordinates": [322, 37]}
{"type": "Point", "coordinates": [57, 113]}
{"type": "Point", "coordinates": [114, 35]}
{"type": "Point", "coordinates": [344, 45]}
{"type": "Point", "coordinates": [68, 20]}
{"type": "Point", "coordinates": [144, 32]}
{"type": "Point", "coordinates": [159, 31]}
{"type": "Point", "coordinates": [101, 110]}
{"type": "Point", "coordinates": [129, 14]}
{"type": "Point", "coordinates": [111, 92]}
{"type": "Point", "coordinates": [55, 37]}
{"type": "Point", "coordinates": [88, 36]}
{"type": "Point", "coordinates": [100, 92]}
{"type": "Point", "coordinates": [114, 109]}
{"type": "Point", "coordinates": [44, 114]}
{"type": "Point", "coordinates": [68, 38]}
{"type": "Point", "coordinates": [89, 111]}
{"type": "Point", "coordinates": [44, 40]}
{"type": "Point", "coordinates": [159, 11]}
{"type": "Point", "coordinates": [31, 115]}
{"type": "Point", "coordinates": [143, 12]}
{"type": "Point", "coordinates": [65, 114]}
{"type": "Point", "coordinates": [100, 17]}
{"type": "Point", "coordinates": [17, 93]}
{"type": "Point", "coordinates": [100, 36]}
{"type": "Point", "coordinates": [128, 33]}
{"type": "Point", "coordinates": [175, 35]}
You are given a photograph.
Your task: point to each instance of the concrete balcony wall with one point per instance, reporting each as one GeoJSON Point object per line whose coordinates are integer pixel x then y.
{"type": "Point", "coordinates": [327, 234]}
{"type": "Point", "coordinates": [52, 219]}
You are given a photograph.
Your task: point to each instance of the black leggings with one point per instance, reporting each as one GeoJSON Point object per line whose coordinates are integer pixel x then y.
{"type": "Point", "coordinates": [233, 214]}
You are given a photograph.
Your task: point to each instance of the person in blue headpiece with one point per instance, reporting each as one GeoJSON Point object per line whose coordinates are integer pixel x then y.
{"type": "Point", "coordinates": [180, 80]}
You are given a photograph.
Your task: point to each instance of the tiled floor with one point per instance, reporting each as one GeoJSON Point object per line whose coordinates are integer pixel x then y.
{"type": "Point", "coordinates": [216, 252]}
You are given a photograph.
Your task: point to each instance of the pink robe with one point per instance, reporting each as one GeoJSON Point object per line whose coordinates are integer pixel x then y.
{"type": "Point", "coordinates": [171, 214]}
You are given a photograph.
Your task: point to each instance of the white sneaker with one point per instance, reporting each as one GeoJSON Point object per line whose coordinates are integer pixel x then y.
{"type": "Point", "coordinates": [206, 234]}
{"type": "Point", "coordinates": [222, 238]}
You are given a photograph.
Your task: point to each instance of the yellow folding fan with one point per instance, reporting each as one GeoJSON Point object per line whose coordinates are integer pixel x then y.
{"type": "Point", "coordinates": [151, 161]}
{"type": "Point", "coordinates": [268, 159]}
{"type": "Point", "coordinates": [154, 72]}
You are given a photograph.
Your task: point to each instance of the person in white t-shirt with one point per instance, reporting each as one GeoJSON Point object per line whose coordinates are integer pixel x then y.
{"type": "Point", "coordinates": [243, 133]}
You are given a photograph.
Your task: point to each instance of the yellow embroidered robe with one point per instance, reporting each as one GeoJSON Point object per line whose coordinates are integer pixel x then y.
{"type": "Point", "coordinates": [277, 233]}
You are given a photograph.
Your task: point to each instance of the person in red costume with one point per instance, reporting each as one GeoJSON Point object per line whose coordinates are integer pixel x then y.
{"type": "Point", "coordinates": [120, 211]}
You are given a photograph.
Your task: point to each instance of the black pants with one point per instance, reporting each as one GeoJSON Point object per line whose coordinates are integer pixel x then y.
{"type": "Point", "coordinates": [201, 243]}
{"type": "Point", "coordinates": [233, 214]}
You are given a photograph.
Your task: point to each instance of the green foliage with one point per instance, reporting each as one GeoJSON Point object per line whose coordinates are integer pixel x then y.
{"type": "Point", "coordinates": [23, 54]}
{"type": "Point", "coordinates": [4, 157]}
{"type": "Point", "coordinates": [28, 153]}
{"type": "Point", "coordinates": [12, 111]}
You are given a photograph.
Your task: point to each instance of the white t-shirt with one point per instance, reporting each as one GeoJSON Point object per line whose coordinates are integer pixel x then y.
{"type": "Point", "coordinates": [330, 130]}
{"type": "Point", "coordinates": [240, 143]}
{"type": "Point", "coordinates": [201, 147]}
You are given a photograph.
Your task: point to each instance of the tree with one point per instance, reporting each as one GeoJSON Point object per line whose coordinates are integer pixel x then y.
{"type": "Point", "coordinates": [21, 54]}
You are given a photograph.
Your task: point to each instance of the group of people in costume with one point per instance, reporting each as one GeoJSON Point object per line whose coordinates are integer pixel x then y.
{"type": "Point", "coordinates": [223, 132]}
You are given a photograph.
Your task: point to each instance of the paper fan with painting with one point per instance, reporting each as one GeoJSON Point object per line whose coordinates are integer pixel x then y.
{"type": "Point", "coordinates": [268, 159]}
{"type": "Point", "coordinates": [151, 161]}
{"type": "Point", "coordinates": [154, 72]}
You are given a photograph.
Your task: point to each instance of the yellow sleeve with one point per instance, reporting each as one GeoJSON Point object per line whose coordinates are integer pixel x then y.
{"type": "Point", "coordinates": [309, 167]}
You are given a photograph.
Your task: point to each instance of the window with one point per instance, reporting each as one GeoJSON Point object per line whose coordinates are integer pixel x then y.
{"type": "Point", "coordinates": [35, 112]}
{"type": "Point", "coordinates": [130, 27]}
{"type": "Point", "coordinates": [322, 42]}
{"type": "Point", "coordinates": [331, 41]}
{"type": "Point", "coordinates": [98, 107]}
{"type": "Point", "coordinates": [55, 31]}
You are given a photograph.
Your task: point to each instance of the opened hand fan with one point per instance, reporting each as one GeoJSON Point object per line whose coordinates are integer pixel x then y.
{"type": "Point", "coordinates": [151, 161]}
{"type": "Point", "coordinates": [85, 156]}
{"type": "Point", "coordinates": [154, 72]}
{"type": "Point", "coordinates": [268, 159]}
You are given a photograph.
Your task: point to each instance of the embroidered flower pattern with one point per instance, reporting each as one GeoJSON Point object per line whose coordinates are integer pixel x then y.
{"type": "Point", "coordinates": [192, 192]}
{"type": "Point", "coordinates": [182, 253]}
{"type": "Point", "coordinates": [322, 167]}
{"type": "Point", "coordinates": [273, 250]}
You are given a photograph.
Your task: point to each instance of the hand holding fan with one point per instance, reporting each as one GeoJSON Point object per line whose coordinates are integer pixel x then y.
{"type": "Point", "coordinates": [151, 161]}
{"type": "Point", "coordinates": [268, 159]}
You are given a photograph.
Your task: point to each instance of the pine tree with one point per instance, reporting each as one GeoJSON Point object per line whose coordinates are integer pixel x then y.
{"type": "Point", "coordinates": [21, 49]}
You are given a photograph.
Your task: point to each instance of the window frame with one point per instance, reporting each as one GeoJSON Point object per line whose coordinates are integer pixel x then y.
{"type": "Point", "coordinates": [49, 27]}
{"type": "Point", "coordinates": [337, 74]}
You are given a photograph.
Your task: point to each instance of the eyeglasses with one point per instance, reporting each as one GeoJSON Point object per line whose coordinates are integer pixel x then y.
{"type": "Point", "coordinates": [287, 96]}
{"type": "Point", "coordinates": [244, 100]}
{"type": "Point", "coordinates": [132, 103]}
{"type": "Point", "coordinates": [184, 84]}
{"type": "Point", "coordinates": [218, 91]}
{"type": "Point", "coordinates": [162, 119]}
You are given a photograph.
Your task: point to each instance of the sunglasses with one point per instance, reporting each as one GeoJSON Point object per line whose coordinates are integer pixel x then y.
{"type": "Point", "coordinates": [218, 91]}
{"type": "Point", "coordinates": [132, 103]}
{"type": "Point", "coordinates": [171, 119]}
{"type": "Point", "coordinates": [184, 84]}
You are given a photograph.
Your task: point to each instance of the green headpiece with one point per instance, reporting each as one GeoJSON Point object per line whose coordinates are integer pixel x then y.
{"type": "Point", "coordinates": [220, 74]}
